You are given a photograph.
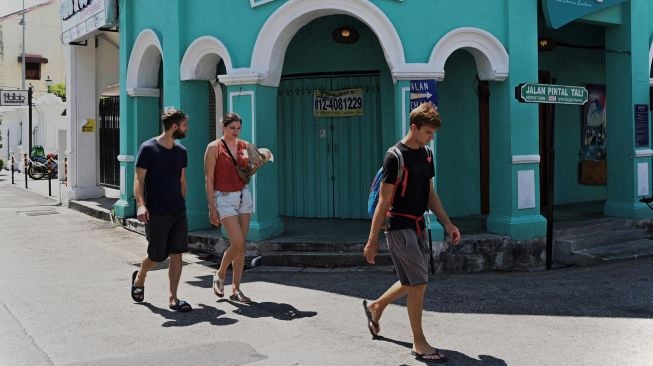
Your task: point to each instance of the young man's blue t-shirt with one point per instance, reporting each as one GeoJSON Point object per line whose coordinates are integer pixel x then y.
{"type": "Point", "coordinates": [163, 178]}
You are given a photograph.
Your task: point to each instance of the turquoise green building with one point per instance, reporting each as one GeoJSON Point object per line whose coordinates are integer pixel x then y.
{"type": "Point", "coordinates": [269, 60]}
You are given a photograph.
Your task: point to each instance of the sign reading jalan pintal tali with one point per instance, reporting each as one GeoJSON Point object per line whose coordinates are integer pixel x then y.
{"type": "Point", "coordinates": [549, 93]}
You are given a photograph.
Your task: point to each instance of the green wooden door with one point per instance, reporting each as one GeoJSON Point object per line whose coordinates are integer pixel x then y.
{"type": "Point", "coordinates": [327, 164]}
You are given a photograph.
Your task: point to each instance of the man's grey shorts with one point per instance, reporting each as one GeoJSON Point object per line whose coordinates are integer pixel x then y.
{"type": "Point", "coordinates": [410, 255]}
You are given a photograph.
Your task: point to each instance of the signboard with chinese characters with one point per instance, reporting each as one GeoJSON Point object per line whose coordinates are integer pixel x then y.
{"type": "Point", "coordinates": [560, 12]}
{"type": "Point", "coordinates": [549, 93]}
{"type": "Point", "coordinates": [340, 103]}
{"type": "Point", "coordinates": [13, 98]}
{"type": "Point", "coordinates": [422, 91]}
{"type": "Point", "coordinates": [80, 18]}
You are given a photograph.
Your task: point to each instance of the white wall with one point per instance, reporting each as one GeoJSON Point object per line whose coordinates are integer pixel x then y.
{"type": "Point", "coordinates": [11, 142]}
{"type": "Point", "coordinates": [42, 37]}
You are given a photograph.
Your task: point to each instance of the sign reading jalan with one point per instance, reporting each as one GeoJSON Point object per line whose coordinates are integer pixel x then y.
{"type": "Point", "coordinates": [549, 93]}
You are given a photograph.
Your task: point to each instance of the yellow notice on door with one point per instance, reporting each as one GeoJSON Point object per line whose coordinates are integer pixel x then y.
{"type": "Point", "coordinates": [89, 126]}
{"type": "Point", "coordinates": [341, 103]}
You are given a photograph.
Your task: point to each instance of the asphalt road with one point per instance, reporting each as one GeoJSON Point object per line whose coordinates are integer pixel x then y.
{"type": "Point", "coordinates": [64, 301]}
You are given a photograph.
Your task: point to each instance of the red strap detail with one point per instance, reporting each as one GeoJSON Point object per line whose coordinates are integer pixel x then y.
{"type": "Point", "coordinates": [417, 220]}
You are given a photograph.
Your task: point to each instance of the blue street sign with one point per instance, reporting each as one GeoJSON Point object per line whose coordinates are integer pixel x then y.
{"type": "Point", "coordinates": [422, 91]}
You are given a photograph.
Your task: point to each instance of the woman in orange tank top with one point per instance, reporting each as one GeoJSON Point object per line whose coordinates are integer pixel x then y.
{"type": "Point", "coordinates": [229, 200]}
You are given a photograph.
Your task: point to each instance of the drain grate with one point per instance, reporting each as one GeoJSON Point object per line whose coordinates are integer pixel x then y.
{"type": "Point", "coordinates": [40, 213]}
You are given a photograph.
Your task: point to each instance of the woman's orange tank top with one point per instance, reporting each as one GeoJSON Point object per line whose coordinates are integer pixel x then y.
{"type": "Point", "coordinates": [225, 178]}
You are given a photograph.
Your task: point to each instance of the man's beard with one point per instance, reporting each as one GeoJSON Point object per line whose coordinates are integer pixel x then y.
{"type": "Point", "coordinates": [178, 135]}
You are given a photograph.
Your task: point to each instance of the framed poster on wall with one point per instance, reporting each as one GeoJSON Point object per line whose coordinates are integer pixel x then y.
{"type": "Point", "coordinates": [593, 136]}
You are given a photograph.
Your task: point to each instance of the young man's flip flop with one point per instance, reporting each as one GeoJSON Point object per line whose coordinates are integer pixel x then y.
{"type": "Point", "coordinates": [372, 325]}
{"type": "Point", "coordinates": [435, 357]}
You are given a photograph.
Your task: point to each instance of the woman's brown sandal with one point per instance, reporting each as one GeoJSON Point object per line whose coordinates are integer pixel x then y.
{"type": "Point", "coordinates": [240, 297]}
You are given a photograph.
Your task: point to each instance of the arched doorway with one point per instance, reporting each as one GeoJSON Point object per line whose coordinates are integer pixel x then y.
{"type": "Point", "coordinates": [463, 140]}
{"type": "Point", "coordinates": [327, 161]}
{"type": "Point", "coordinates": [472, 59]}
{"type": "Point", "coordinates": [205, 59]}
{"type": "Point", "coordinates": [144, 84]}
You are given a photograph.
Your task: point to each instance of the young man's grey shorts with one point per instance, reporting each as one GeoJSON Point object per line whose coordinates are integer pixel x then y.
{"type": "Point", "coordinates": [410, 256]}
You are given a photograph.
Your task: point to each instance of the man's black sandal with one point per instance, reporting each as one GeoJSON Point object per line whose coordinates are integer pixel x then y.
{"type": "Point", "coordinates": [138, 292]}
{"type": "Point", "coordinates": [181, 306]}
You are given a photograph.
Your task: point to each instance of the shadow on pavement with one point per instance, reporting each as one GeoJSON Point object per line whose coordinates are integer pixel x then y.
{"type": "Point", "coordinates": [455, 358]}
{"type": "Point", "coordinates": [269, 310]}
{"type": "Point", "coordinates": [460, 359]}
{"type": "Point", "coordinates": [612, 290]}
{"type": "Point", "coordinates": [201, 313]}
{"type": "Point", "coordinates": [395, 341]}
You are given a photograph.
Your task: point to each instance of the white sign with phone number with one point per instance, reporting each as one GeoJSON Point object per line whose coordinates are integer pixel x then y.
{"type": "Point", "coordinates": [340, 103]}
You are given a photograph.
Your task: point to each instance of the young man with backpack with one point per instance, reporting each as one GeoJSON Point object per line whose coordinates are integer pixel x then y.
{"type": "Point", "coordinates": [403, 199]}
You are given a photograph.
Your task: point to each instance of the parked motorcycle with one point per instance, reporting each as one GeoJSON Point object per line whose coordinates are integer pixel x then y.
{"type": "Point", "coordinates": [38, 166]}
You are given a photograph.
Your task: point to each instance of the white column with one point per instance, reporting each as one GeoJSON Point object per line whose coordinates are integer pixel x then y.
{"type": "Point", "coordinates": [80, 105]}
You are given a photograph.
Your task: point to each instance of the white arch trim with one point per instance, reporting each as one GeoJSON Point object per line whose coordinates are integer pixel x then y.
{"type": "Point", "coordinates": [287, 20]}
{"type": "Point", "coordinates": [202, 57]}
{"type": "Point", "coordinates": [650, 63]}
{"type": "Point", "coordinates": [144, 61]}
{"type": "Point", "coordinates": [492, 60]}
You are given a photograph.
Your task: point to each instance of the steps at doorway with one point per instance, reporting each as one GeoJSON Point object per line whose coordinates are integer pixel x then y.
{"type": "Point", "coordinates": [600, 240]}
{"type": "Point", "coordinates": [592, 226]}
{"type": "Point", "coordinates": [628, 250]}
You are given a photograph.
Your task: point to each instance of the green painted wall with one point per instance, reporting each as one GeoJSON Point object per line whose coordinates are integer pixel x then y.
{"type": "Point", "coordinates": [628, 77]}
{"type": "Point", "coordinates": [457, 153]}
{"type": "Point", "coordinates": [513, 132]}
{"type": "Point", "coordinates": [414, 21]}
{"type": "Point", "coordinates": [573, 66]}
{"type": "Point", "coordinates": [195, 98]}
{"type": "Point", "coordinates": [420, 23]}
{"type": "Point", "coordinates": [650, 24]}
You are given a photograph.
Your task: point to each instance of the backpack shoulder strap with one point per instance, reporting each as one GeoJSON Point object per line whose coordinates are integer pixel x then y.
{"type": "Point", "coordinates": [400, 159]}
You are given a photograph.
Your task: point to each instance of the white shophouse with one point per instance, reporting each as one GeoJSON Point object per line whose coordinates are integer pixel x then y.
{"type": "Point", "coordinates": [91, 44]}
{"type": "Point", "coordinates": [44, 64]}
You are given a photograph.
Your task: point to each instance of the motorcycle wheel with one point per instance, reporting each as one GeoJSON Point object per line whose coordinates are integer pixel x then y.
{"type": "Point", "coordinates": [36, 173]}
